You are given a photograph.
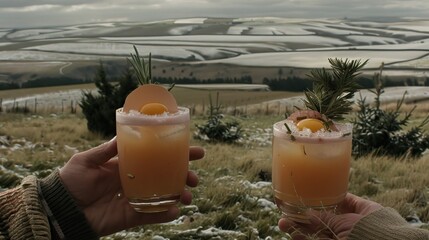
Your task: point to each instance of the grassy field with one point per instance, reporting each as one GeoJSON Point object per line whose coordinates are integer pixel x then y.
{"type": "Point", "coordinates": [234, 198]}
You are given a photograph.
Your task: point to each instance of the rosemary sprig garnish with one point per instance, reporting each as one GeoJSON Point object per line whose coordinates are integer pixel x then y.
{"type": "Point", "coordinates": [333, 90]}
{"type": "Point", "coordinates": [289, 132]}
{"type": "Point", "coordinates": [142, 69]}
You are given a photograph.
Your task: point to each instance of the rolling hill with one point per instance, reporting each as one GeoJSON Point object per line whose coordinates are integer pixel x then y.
{"type": "Point", "coordinates": [216, 47]}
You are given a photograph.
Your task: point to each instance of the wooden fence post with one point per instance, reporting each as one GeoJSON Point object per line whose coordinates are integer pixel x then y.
{"type": "Point", "coordinates": [72, 109]}
{"type": "Point", "coordinates": [62, 105]}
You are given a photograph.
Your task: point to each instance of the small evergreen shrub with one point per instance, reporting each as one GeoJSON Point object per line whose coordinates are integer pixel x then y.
{"type": "Point", "coordinates": [381, 132]}
{"type": "Point", "coordinates": [216, 129]}
{"type": "Point", "coordinates": [99, 109]}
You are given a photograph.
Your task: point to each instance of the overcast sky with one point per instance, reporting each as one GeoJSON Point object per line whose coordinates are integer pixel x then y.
{"type": "Point", "coordinates": [33, 13]}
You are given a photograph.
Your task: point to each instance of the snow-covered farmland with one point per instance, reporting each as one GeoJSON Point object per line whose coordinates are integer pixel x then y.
{"type": "Point", "coordinates": [271, 34]}
{"type": "Point", "coordinates": [26, 55]}
{"type": "Point", "coordinates": [310, 59]}
{"type": "Point", "coordinates": [246, 42]}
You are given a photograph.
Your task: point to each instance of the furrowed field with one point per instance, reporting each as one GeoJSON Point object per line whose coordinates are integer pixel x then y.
{"type": "Point", "coordinates": [234, 198]}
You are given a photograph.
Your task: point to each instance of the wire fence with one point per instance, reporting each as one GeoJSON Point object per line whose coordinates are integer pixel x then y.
{"type": "Point", "coordinates": [71, 106]}
{"type": "Point", "coordinates": [38, 106]}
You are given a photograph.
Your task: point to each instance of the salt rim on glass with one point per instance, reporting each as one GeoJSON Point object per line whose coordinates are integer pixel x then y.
{"type": "Point", "coordinates": [306, 135]}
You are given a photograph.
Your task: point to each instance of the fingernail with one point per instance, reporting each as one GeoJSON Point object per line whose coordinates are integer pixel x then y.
{"type": "Point", "coordinates": [110, 141]}
{"type": "Point", "coordinates": [113, 139]}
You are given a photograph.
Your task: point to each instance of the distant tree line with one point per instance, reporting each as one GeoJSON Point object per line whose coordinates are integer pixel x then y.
{"type": "Point", "coordinates": [293, 84]}
{"type": "Point", "coordinates": [59, 81]}
{"type": "Point", "coordinates": [194, 80]}
{"type": "Point", "coordinates": [279, 83]}
{"type": "Point", "coordinates": [43, 82]}
{"type": "Point", "coordinates": [299, 84]}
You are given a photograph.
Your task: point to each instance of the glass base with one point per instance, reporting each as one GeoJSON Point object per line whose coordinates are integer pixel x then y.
{"type": "Point", "coordinates": [299, 213]}
{"type": "Point", "coordinates": [154, 205]}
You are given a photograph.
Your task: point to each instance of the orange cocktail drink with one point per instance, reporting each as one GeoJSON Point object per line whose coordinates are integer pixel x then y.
{"type": "Point", "coordinates": [153, 155]}
{"type": "Point", "coordinates": [310, 170]}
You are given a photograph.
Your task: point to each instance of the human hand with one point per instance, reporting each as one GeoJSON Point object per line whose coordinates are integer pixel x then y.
{"type": "Point", "coordinates": [328, 225]}
{"type": "Point", "coordinates": [92, 178]}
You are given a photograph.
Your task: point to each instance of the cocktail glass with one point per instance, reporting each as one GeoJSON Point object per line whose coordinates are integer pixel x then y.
{"type": "Point", "coordinates": [153, 153]}
{"type": "Point", "coordinates": [309, 170]}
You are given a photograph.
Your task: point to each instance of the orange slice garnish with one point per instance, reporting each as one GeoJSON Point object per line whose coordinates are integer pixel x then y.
{"type": "Point", "coordinates": [311, 123]}
{"type": "Point", "coordinates": [148, 94]}
{"type": "Point", "coordinates": [153, 109]}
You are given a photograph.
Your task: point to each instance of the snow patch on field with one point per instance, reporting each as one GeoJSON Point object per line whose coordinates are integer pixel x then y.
{"type": "Point", "coordinates": [259, 41]}
{"type": "Point", "coordinates": [320, 59]}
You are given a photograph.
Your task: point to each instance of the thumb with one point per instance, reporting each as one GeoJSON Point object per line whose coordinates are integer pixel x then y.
{"type": "Point", "coordinates": [98, 155]}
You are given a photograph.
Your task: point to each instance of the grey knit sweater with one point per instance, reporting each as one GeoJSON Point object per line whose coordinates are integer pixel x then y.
{"type": "Point", "coordinates": [386, 224]}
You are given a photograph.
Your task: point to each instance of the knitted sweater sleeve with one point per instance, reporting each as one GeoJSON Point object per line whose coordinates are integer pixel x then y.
{"type": "Point", "coordinates": [386, 224]}
{"type": "Point", "coordinates": [21, 213]}
{"type": "Point", "coordinates": [66, 218]}
{"type": "Point", "coordinates": [42, 209]}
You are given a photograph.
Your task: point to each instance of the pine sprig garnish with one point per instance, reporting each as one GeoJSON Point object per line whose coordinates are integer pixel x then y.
{"type": "Point", "coordinates": [333, 90]}
{"type": "Point", "coordinates": [142, 69]}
